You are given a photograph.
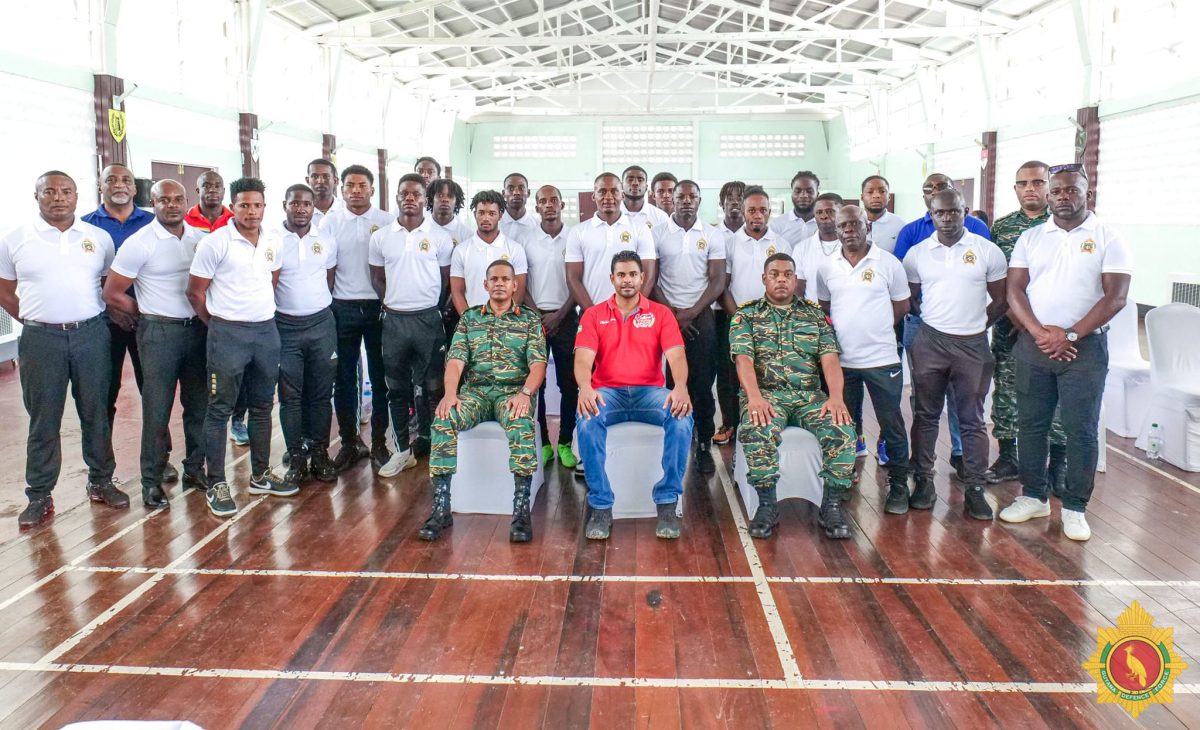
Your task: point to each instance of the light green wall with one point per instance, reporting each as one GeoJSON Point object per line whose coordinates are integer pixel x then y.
{"type": "Point", "coordinates": [1159, 251]}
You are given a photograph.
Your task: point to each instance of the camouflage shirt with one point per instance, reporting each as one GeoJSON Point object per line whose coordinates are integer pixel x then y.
{"type": "Point", "coordinates": [786, 343]}
{"type": "Point", "coordinates": [498, 350]}
{"type": "Point", "coordinates": [1006, 230]}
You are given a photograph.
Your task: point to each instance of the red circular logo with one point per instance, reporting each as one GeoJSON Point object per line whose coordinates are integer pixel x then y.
{"type": "Point", "coordinates": [1135, 665]}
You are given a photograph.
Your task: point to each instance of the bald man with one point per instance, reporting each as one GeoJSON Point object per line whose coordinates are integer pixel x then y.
{"type": "Point", "coordinates": [155, 263]}
{"type": "Point", "coordinates": [210, 213]}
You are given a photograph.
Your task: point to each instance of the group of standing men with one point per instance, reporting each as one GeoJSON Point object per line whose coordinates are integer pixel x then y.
{"type": "Point", "coordinates": [796, 313]}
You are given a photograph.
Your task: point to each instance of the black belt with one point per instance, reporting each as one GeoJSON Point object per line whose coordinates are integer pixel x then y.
{"type": "Point", "coordinates": [185, 321]}
{"type": "Point", "coordinates": [61, 325]}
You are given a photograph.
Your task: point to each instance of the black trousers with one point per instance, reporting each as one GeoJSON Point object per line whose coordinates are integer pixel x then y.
{"type": "Point", "coordinates": [174, 355]}
{"type": "Point", "coordinates": [885, 384]}
{"type": "Point", "coordinates": [51, 361]}
{"type": "Point", "coordinates": [358, 321]}
{"type": "Point", "coordinates": [562, 347]}
{"type": "Point", "coordinates": [122, 341]}
{"type": "Point", "coordinates": [1077, 389]}
{"type": "Point", "coordinates": [700, 345]}
{"type": "Point", "coordinates": [727, 381]}
{"type": "Point", "coordinates": [240, 352]}
{"type": "Point", "coordinates": [307, 367]}
{"type": "Point", "coordinates": [941, 361]}
{"type": "Point", "coordinates": [411, 341]}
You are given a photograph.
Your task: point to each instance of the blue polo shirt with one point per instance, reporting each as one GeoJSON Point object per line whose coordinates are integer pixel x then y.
{"type": "Point", "coordinates": [115, 228]}
{"type": "Point", "coordinates": [922, 228]}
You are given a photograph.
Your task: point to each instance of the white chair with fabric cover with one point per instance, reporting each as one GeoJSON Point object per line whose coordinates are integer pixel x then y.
{"type": "Point", "coordinates": [1174, 334]}
{"type": "Point", "coordinates": [1127, 390]}
{"type": "Point", "coordinates": [799, 465]}
{"type": "Point", "coordinates": [483, 483]}
{"type": "Point", "coordinates": [633, 463]}
{"type": "Point", "coordinates": [553, 395]}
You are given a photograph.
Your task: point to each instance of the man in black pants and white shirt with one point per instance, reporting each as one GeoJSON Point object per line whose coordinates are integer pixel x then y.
{"type": "Point", "coordinates": [956, 272]}
{"type": "Point", "coordinates": [232, 289]}
{"type": "Point", "coordinates": [50, 274]}
{"type": "Point", "coordinates": [170, 337]}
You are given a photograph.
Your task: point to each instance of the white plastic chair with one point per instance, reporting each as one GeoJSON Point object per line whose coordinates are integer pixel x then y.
{"type": "Point", "coordinates": [1127, 389]}
{"type": "Point", "coordinates": [799, 464]}
{"type": "Point", "coordinates": [1174, 334]}
{"type": "Point", "coordinates": [483, 483]}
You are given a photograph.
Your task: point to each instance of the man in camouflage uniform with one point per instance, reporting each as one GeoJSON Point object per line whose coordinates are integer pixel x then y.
{"type": "Point", "coordinates": [500, 349]}
{"type": "Point", "coordinates": [782, 344]}
{"type": "Point", "coordinates": [1031, 190]}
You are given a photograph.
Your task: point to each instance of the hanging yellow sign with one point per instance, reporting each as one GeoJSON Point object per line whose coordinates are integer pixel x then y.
{"type": "Point", "coordinates": [116, 125]}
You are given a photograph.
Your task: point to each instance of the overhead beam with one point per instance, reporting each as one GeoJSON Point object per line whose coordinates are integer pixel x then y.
{"type": "Point", "coordinates": [660, 92]}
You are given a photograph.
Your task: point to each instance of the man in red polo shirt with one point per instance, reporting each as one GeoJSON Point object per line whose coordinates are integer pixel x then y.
{"type": "Point", "coordinates": [210, 213]}
{"type": "Point", "coordinates": [625, 339]}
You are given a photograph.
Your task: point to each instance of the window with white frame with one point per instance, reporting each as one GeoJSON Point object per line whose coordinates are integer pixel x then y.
{"type": "Point", "coordinates": [647, 143]}
{"type": "Point", "coordinates": [534, 146]}
{"type": "Point", "coordinates": [761, 145]}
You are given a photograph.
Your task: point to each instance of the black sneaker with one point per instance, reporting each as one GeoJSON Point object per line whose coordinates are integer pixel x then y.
{"type": "Point", "coordinates": [897, 498]}
{"type": "Point", "coordinates": [322, 468]}
{"type": "Point", "coordinates": [193, 481]}
{"type": "Point", "coordinates": [155, 498]}
{"type": "Point", "coordinates": [704, 459]}
{"type": "Point", "coordinates": [421, 446]}
{"type": "Point", "coordinates": [599, 524]}
{"type": "Point", "coordinates": [350, 452]}
{"type": "Point", "coordinates": [668, 526]}
{"type": "Point", "coordinates": [977, 504]}
{"type": "Point", "coordinates": [170, 474]}
{"type": "Point", "coordinates": [924, 495]}
{"type": "Point", "coordinates": [297, 472]}
{"type": "Point", "coordinates": [106, 492]}
{"type": "Point", "coordinates": [380, 456]}
{"type": "Point", "coordinates": [220, 501]}
{"type": "Point", "coordinates": [266, 483]}
{"type": "Point", "coordinates": [38, 511]}
{"type": "Point", "coordinates": [960, 468]}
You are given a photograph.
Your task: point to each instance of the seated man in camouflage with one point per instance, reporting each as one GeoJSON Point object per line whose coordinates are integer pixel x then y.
{"type": "Point", "coordinates": [778, 343]}
{"type": "Point", "coordinates": [502, 352]}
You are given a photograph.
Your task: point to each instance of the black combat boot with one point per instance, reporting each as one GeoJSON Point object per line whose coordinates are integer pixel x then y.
{"type": "Point", "coordinates": [767, 514]}
{"type": "Point", "coordinates": [440, 518]}
{"type": "Point", "coordinates": [1056, 471]}
{"type": "Point", "coordinates": [831, 516]}
{"type": "Point", "coordinates": [521, 529]}
{"type": "Point", "coordinates": [1004, 469]}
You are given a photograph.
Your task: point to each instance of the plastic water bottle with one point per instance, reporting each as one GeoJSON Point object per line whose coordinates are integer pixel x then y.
{"type": "Point", "coordinates": [1154, 443]}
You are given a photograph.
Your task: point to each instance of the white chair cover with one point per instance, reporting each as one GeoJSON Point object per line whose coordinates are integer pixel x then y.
{"type": "Point", "coordinates": [1127, 389]}
{"type": "Point", "coordinates": [483, 483]}
{"type": "Point", "coordinates": [1174, 334]}
{"type": "Point", "coordinates": [799, 463]}
{"type": "Point", "coordinates": [633, 462]}
{"type": "Point", "coordinates": [553, 396]}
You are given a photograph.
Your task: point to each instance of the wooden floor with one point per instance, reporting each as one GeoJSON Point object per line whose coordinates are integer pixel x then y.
{"type": "Point", "coordinates": [325, 610]}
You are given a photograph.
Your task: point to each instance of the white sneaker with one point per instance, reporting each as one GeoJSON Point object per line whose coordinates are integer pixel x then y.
{"type": "Point", "coordinates": [1075, 525]}
{"type": "Point", "coordinates": [1025, 508]}
{"type": "Point", "coordinates": [400, 461]}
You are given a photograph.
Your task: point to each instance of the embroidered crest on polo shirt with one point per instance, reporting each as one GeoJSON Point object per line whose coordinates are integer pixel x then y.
{"type": "Point", "coordinates": [424, 244]}
{"type": "Point", "coordinates": [969, 257]}
{"type": "Point", "coordinates": [504, 257]}
{"type": "Point", "coordinates": [1088, 246]}
{"type": "Point", "coordinates": [270, 255]}
{"type": "Point", "coordinates": [626, 236]}
{"type": "Point", "coordinates": [643, 320]}
{"type": "Point", "coordinates": [770, 250]}
{"type": "Point", "coordinates": [454, 241]}
{"type": "Point", "coordinates": [868, 275]}
{"type": "Point", "coordinates": [374, 228]}
{"type": "Point", "coordinates": [88, 246]}
{"type": "Point", "coordinates": [316, 248]}
{"type": "Point", "coordinates": [649, 224]}
{"type": "Point", "coordinates": [701, 244]}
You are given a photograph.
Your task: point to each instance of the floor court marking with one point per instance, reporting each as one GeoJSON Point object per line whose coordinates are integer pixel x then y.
{"type": "Point", "coordinates": [1143, 464]}
{"type": "Point", "coordinates": [783, 645]}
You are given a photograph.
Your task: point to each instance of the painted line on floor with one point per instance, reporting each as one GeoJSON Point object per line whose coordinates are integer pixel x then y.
{"type": "Point", "coordinates": [1142, 463]}
{"type": "Point", "coordinates": [850, 685]}
{"type": "Point", "coordinates": [783, 645]}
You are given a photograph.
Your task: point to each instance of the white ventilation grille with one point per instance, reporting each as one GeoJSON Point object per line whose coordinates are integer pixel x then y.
{"type": "Point", "coordinates": [643, 144]}
{"type": "Point", "coordinates": [534, 147]}
{"type": "Point", "coordinates": [762, 145]}
{"type": "Point", "coordinates": [1185, 289]}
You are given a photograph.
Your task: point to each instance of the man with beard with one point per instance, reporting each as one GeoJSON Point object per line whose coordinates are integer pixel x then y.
{"type": "Point", "coordinates": [816, 249]}
{"type": "Point", "coordinates": [472, 257]}
{"type": "Point", "coordinates": [322, 179]}
{"type": "Point", "coordinates": [884, 225]}
{"type": "Point", "coordinates": [428, 169]}
{"type": "Point", "coordinates": [155, 261]}
{"type": "Point", "coordinates": [731, 222]}
{"type": "Point", "coordinates": [634, 205]}
{"type": "Point", "coordinates": [800, 223]}
{"type": "Point", "coordinates": [691, 276]}
{"type": "Point", "coordinates": [518, 222]}
{"type": "Point", "coordinates": [58, 261]}
{"type": "Point", "coordinates": [662, 192]}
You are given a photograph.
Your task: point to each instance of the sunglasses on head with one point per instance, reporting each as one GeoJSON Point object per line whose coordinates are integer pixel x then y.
{"type": "Point", "coordinates": [1073, 167]}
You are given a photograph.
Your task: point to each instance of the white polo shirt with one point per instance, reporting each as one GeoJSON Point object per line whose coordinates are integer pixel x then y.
{"type": "Point", "coordinates": [159, 263]}
{"type": "Point", "coordinates": [810, 255]}
{"type": "Point", "coordinates": [1065, 267]}
{"type": "Point", "coordinates": [456, 229]}
{"type": "Point", "coordinates": [683, 257]}
{"type": "Point", "coordinates": [546, 257]}
{"type": "Point", "coordinates": [792, 228]}
{"type": "Point", "coordinates": [954, 281]}
{"type": "Point", "coordinates": [412, 261]}
{"type": "Point", "coordinates": [860, 305]}
{"type": "Point", "coordinates": [241, 288]}
{"type": "Point", "coordinates": [57, 272]}
{"type": "Point", "coordinates": [594, 243]}
{"type": "Point", "coordinates": [884, 231]}
{"type": "Point", "coordinates": [648, 216]}
{"type": "Point", "coordinates": [303, 279]}
{"type": "Point", "coordinates": [744, 261]}
{"type": "Point", "coordinates": [518, 229]}
{"type": "Point", "coordinates": [353, 235]}
{"type": "Point", "coordinates": [471, 258]}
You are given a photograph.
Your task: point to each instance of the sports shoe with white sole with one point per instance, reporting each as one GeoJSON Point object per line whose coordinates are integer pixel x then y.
{"type": "Point", "coordinates": [1075, 525]}
{"type": "Point", "coordinates": [400, 461]}
{"type": "Point", "coordinates": [1025, 508]}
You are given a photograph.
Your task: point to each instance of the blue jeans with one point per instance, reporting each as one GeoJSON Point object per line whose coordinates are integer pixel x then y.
{"type": "Point", "coordinates": [912, 323]}
{"type": "Point", "coordinates": [642, 404]}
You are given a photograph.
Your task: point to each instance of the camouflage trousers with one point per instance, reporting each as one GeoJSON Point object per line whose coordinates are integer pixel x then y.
{"type": "Point", "coordinates": [1004, 395]}
{"type": "Point", "coordinates": [476, 406]}
{"type": "Point", "coordinates": [796, 408]}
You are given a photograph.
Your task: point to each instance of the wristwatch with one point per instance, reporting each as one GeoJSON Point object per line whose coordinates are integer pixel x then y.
{"type": "Point", "coordinates": [526, 392]}
{"type": "Point", "coordinates": [1072, 335]}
